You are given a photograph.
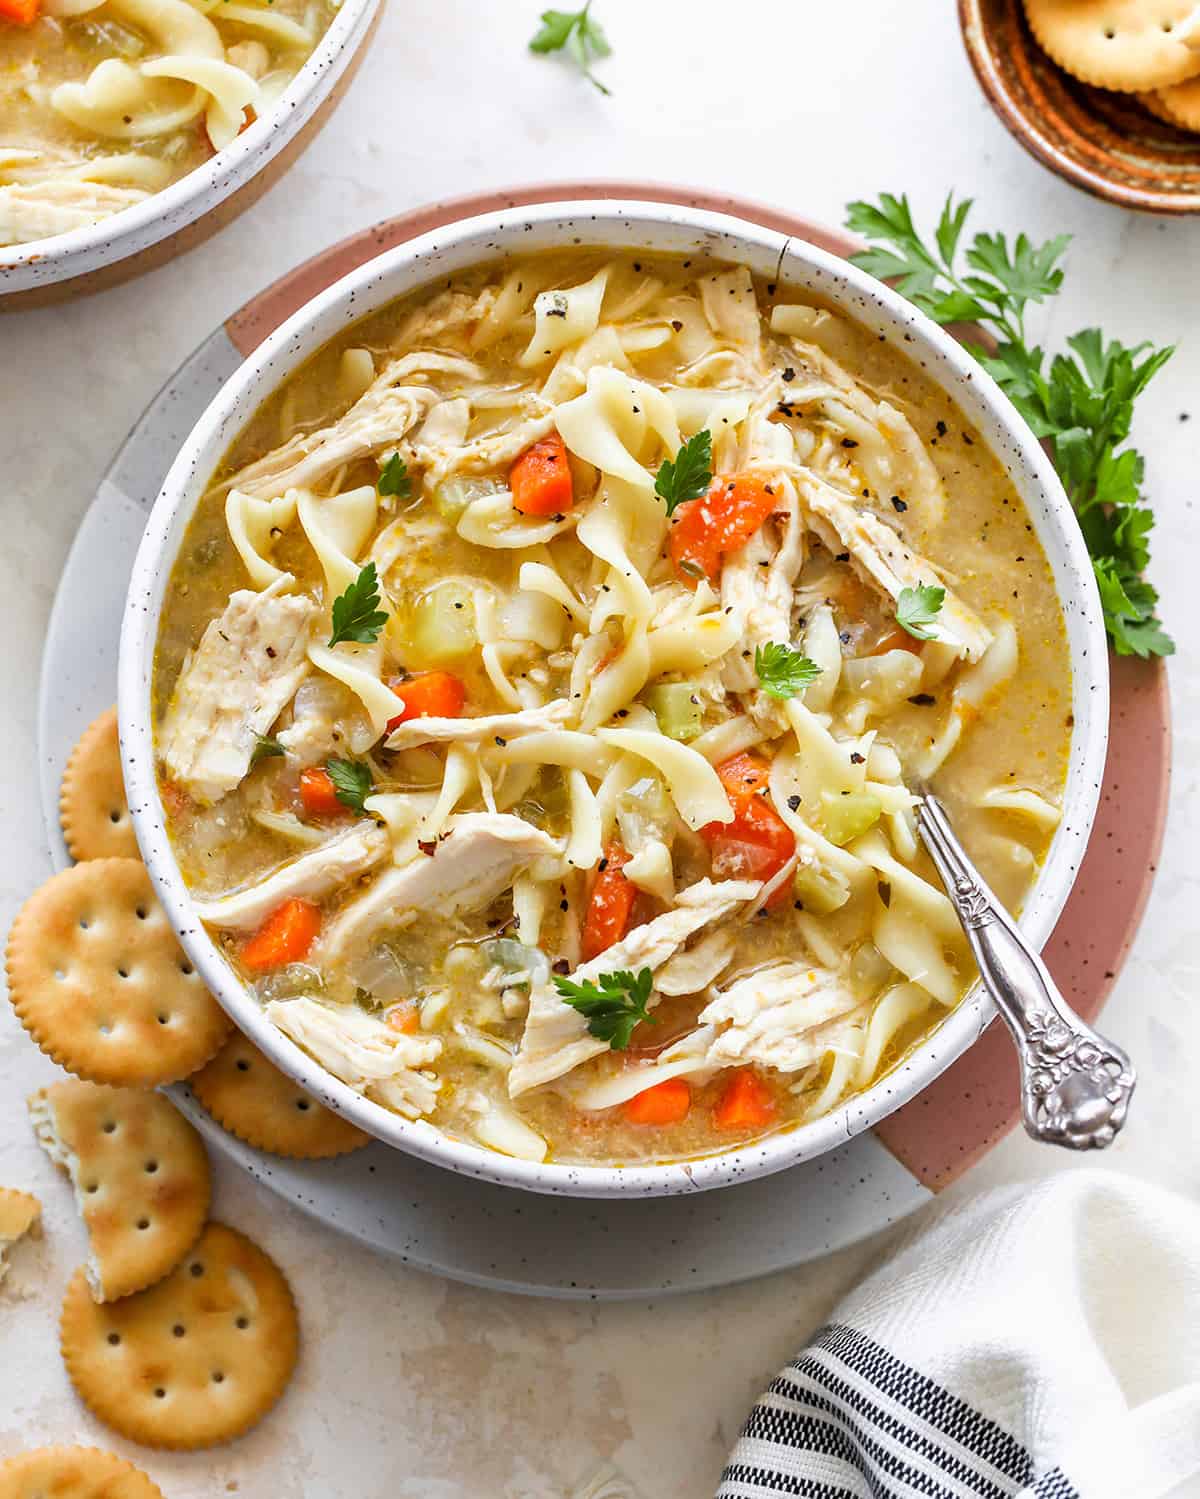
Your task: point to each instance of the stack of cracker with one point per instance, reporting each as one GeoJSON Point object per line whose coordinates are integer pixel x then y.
{"type": "Point", "coordinates": [177, 1331]}
{"type": "Point", "coordinates": [1129, 46]}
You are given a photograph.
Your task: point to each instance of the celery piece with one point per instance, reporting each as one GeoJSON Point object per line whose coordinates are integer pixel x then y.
{"type": "Point", "coordinates": [441, 625]}
{"type": "Point", "coordinates": [847, 816]}
{"type": "Point", "coordinates": [820, 889]}
{"type": "Point", "coordinates": [676, 706]}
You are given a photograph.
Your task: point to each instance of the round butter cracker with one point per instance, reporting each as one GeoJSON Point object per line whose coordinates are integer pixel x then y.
{"type": "Point", "coordinates": [99, 980]}
{"type": "Point", "coordinates": [1178, 105]}
{"type": "Point", "coordinates": [195, 1360]}
{"type": "Point", "coordinates": [140, 1173]}
{"type": "Point", "coordinates": [254, 1100]}
{"type": "Point", "coordinates": [73, 1473]}
{"type": "Point", "coordinates": [1127, 45]}
{"type": "Point", "coordinates": [92, 806]}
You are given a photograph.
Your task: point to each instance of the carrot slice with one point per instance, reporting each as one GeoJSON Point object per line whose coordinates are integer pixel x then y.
{"type": "Point", "coordinates": [318, 794]}
{"type": "Point", "coordinates": [744, 1104]}
{"type": "Point", "coordinates": [285, 937]}
{"type": "Point", "coordinates": [609, 906]}
{"type": "Point", "coordinates": [404, 1018]}
{"type": "Point", "coordinates": [540, 480]}
{"type": "Point", "coordinates": [706, 530]}
{"type": "Point", "coordinates": [429, 694]}
{"type": "Point", "coordinates": [666, 1103]}
{"type": "Point", "coordinates": [20, 12]}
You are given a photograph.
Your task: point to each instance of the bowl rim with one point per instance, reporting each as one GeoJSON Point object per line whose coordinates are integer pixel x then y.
{"type": "Point", "coordinates": [60, 257]}
{"type": "Point", "coordinates": [490, 236]}
{"type": "Point", "coordinates": [1026, 129]}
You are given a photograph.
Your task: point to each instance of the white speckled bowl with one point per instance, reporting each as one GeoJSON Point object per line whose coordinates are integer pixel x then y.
{"type": "Point", "coordinates": [649, 227]}
{"type": "Point", "coordinates": [172, 221]}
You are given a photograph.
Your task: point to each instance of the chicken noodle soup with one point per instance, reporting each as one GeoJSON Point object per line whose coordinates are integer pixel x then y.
{"type": "Point", "coordinates": [541, 687]}
{"type": "Point", "coordinates": [104, 102]}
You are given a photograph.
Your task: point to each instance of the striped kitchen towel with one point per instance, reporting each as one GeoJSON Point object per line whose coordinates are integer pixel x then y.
{"type": "Point", "coordinates": [1037, 1343]}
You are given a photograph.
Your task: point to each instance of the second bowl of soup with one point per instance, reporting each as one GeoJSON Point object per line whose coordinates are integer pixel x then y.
{"type": "Point", "coordinates": [529, 668]}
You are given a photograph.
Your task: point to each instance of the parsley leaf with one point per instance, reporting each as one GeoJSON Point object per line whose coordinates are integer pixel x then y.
{"type": "Point", "coordinates": [1080, 402]}
{"type": "Point", "coordinates": [394, 478]}
{"type": "Point", "coordinates": [352, 783]}
{"type": "Point", "coordinates": [918, 608]}
{"type": "Point", "coordinates": [783, 672]}
{"type": "Point", "coordinates": [688, 475]}
{"type": "Point", "coordinates": [356, 613]}
{"type": "Point", "coordinates": [264, 749]}
{"type": "Point", "coordinates": [578, 35]}
{"type": "Point", "coordinates": [614, 1006]}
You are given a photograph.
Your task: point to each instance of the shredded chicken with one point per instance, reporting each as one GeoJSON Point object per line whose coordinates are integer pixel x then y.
{"type": "Point", "coordinates": [313, 875]}
{"type": "Point", "coordinates": [233, 686]}
{"type": "Point", "coordinates": [771, 1016]}
{"type": "Point", "coordinates": [379, 419]}
{"type": "Point", "coordinates": [475, 859]}
{"type": "Point", "coordinates": [367, 1053]}
{"type": "Point", "coordinates": [556, 1037]}
{"type": "Point", "coordinates": [887, 563]}
{"type": "Point", "coordinates": [37, 210]}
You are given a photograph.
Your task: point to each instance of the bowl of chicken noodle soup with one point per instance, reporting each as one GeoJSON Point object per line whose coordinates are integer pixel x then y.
{"type": "Point", "coordinates": [124, 121]}
{"type": "Point", "coordinates": [528, 670]}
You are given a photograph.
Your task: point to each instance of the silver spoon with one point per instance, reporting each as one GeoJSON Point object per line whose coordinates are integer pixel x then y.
{"type": "Point", "coordinates": [1075, 1085]}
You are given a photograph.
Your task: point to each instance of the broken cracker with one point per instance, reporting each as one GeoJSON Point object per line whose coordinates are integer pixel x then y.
{"type": "Point", "coordinates": [92, 805]}
{"type": "Point", "coordinates": [140, 1173]}
{"type": "Point", "coordinates": [195, 1360]}
{"type": "Point", "coordinates": [19, 1213]}
{"type": "Point", "coordinates": [99, 980]}
{"type": "Point", "coordinates": [254, 1100]}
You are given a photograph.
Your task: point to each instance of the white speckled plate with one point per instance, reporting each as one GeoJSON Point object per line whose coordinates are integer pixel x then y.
{"type": "Point", "coordinates": [558, 1246]}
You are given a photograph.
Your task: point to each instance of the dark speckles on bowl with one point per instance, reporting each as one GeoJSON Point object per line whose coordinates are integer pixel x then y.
{"type": "Point", "coordinates": [1103, 142]}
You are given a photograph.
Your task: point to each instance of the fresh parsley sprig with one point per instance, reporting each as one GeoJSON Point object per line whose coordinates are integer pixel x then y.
{"type": "Point", "coordinates": [1081, 401]}
{"type": "Point", "coordinates": [917, 609]}
{"type": "Point", "coordinates": [783, 672]}
{"type": "Point", "coordinates": [352, 783]}
{"type": "Point", "coordinates": [394, 478]}
{"type": "Point", "coordinates": [614, 1006]}
{"type": "Point", "coordinates": [688, 475]}
{"type": "Point", "coordinates": [577, 34]}
{"type": "Point", "coordinates": [265, 748]}
{"type": "Point", "coordinates": [356, 613]}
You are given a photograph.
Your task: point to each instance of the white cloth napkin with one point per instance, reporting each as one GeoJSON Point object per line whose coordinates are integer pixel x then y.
{"type": "Point", "coordinates": [1040, 1342]}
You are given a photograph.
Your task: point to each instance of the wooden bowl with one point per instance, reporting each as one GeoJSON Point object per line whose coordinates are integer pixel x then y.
{"type": "Point", "coordinates": [1104, 142]}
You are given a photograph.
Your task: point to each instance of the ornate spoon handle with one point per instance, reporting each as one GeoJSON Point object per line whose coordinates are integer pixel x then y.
{"type": "Point", "coordinates": [1075, 1085]}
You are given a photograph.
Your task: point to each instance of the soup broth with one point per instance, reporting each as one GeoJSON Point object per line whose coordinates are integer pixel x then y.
{"type": "Point", "coordinates": [541, 689]}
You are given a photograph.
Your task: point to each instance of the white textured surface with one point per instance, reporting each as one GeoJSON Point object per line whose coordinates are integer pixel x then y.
{"type": "Point", "coordinates": [410, 1388]}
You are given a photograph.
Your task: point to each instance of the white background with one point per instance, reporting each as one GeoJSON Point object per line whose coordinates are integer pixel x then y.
{"type": "Point", "coordinates": [410, 1388]}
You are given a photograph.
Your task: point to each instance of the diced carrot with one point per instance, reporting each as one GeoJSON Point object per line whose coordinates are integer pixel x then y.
{"type": "Point", "coordinates": [705, 531]}
{"type": "Point", "coordinates": [745, 1103]}
{"type": "Point", "coordinates": [285, 937]}
{"type": "Point", "coordinates": [318, 793]}
{"type": "Point", "coordinates": [898, 640]}
{"type": "Point", "coordinates": [429, 694]}
{"type": "Point", "coordinates": [249, 117]}
{"type": "Point", "coordinates": [175, 799]}
{"type": "Point", "coordinates": [540, 480]}
{"type": "Point", "coordinates": [665, 1103]}
{"type": "Point", "coordinates": [404, 1018]}
{"type": "Point", "coordinates": [609, 906]}
{"type": "Point", "coordinates": [20, 12]}
{"type": "Point", "coordinates": [757, 843]}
